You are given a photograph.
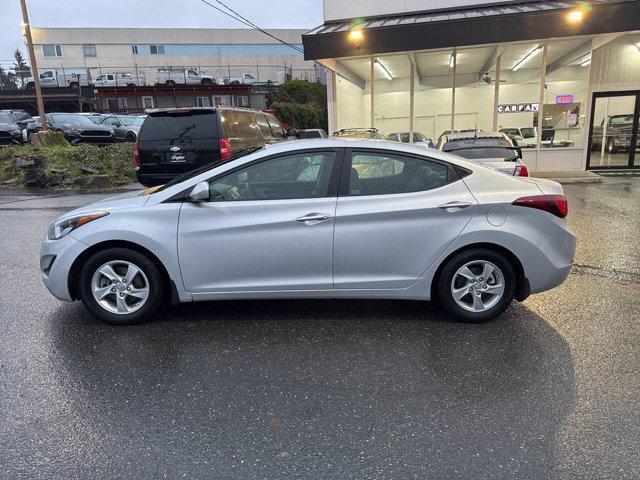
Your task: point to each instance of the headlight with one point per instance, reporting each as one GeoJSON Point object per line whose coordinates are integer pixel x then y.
{"type": "Point", "coordinates": [16, 133]}
{"type": "Point", "coordinates": [73, 131]}
{"type": "Point", "coordinates": [60, 228]}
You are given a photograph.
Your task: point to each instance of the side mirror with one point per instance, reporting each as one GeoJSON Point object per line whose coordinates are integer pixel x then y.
{"type": "Point", "coordinates": [292, 132]}
{"type": "Point", "coordinates": [200, 193]}
{"type": "Point", "coordinates": [519, 152]}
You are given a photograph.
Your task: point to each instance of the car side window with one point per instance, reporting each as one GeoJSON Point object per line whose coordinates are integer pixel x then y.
{"type": "Point", "coordinates": [113, 121]}
{"type": "Point", "coordinates": [375, 173]}
{"type": "Point", "coordinates": [300, 175]}
{"type": "Point", "coordinates": [276, 128]}
{"type": "Point", "coordinates": [263, 124]}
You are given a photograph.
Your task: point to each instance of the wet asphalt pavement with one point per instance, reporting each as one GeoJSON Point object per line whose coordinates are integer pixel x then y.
{"type": "Point", "coordinates": [328, 389]}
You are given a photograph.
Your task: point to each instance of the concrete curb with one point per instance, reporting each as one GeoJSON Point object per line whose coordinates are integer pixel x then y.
{"type": "Point", "coordinates": [568, 178]}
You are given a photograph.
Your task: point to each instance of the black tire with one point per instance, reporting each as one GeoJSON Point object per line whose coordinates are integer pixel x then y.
{"type": "Point", "coordinates": [444, 283]}
{"type": "Point", "coordinates": [170, 83]}
{"type": "Point", "coordinates": [73, 84]}
{"type": "Point", "coordinates": [31, 86]}
{"type": "Point", "coordinates": [155, 284]}
{"type": "Point", "coordinates": [129, 137]}
{"type": "Point", "coordinates": [131, 84]}
{"type": "Point", "coordinates": [206, 81]}
{"type": "Point", "coordinates": [611, 145]}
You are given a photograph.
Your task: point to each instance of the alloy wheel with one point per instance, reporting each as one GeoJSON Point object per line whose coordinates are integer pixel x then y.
{"type": "Point", "coordinates": [120, 287]}
{"type": "Point", "coordinates": [477, 286]}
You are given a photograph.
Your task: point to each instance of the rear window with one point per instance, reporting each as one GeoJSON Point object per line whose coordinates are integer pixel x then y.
{"type": "Point", "coordinates": [476, 142]}
{"type": "Point", "coordinates": [170, 126]}
{"type": "Point", "coordinates": [498, 153]}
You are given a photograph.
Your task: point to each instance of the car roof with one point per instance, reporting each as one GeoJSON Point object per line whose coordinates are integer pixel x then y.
{"type": "Point", "coordinates": [451, 137]}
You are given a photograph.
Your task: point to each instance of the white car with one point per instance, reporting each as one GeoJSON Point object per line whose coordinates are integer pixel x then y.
{"type": "Point", "coordinates": [325, 218]}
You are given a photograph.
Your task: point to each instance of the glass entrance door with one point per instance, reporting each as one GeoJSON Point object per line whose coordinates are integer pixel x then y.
{"type": "Point", "coordinates": [613, 137]}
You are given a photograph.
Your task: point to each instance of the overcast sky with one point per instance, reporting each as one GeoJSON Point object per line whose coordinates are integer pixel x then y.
{"type": "Point", "coordinates": [148, 13]}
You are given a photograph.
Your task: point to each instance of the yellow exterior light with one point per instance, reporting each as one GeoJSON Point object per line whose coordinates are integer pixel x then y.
{"type": "Point", "coordinates": [575, 16]}
{"type": "Point", "coordinates": [356, 35]}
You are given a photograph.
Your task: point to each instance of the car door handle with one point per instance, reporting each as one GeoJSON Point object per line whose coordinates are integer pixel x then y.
{"type": "Point", "coordinates": [313, 217]}
{"type": "Point", "coordinates": [454, 206]}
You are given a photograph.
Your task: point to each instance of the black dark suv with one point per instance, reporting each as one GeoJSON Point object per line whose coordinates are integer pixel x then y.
{"type": "Point", "coordinates": [174, 141]}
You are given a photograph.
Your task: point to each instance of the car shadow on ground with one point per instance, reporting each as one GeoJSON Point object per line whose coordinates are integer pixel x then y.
{"type": "Point", "coordinates": [356, 381]}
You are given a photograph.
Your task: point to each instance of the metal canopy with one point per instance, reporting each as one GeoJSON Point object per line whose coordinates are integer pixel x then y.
{"type": "Point", "coordinates": [483, 24]}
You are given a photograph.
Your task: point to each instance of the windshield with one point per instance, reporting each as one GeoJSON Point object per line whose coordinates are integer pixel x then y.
{"type": "Point", "coordinates": [6, 118]}
{"type": "Point", "coordinates": [529, 132]}
{"type": "Point", "coordinates": [71, 119]}
{"type": "Point", "coordinates": [205, 168]}
{"type": "Point", "coordinates": [132, 120]}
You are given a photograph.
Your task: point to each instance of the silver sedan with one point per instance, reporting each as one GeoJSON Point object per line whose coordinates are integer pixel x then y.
{"type": "Point", "coordinates": [317, 219]}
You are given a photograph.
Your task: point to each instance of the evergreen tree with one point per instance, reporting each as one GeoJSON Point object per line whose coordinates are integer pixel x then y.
{"type": "Point", "coordinates": [21, 67]}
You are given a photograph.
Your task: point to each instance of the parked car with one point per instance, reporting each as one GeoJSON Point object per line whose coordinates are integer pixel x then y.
{"type": "Point", "coordinates": [61, 78]}
{"type": "Point", "coordinates": [244, 78]}
{"type": "Point", "coordinates": [526, 137]}
{"type": "Point", "coordinates": [76, 129]}
{"type": "Point", "coordinates": [448, 132]}
{"type": "Point", "coordinates": [617, 136]}
{"type": "Point", "coordinates": [311, 133]}
{"type": "Point", "coordinates": [186, 76]}
{"type": "Point", "coordinates": [10, 133]}
{"type": "Point", "coordinates": [404, 138]}
{"type": "Point", "coordinates": [261, 226]}
{"type": "Point", "coordinates": [20, 117]}
{"type": "Point", "coordinates": [174, 141]}
{"type": "Point", "coordinates": [359, 134]}
{"type": "Point", "coordinates": [491, 149]}
{"type": "Point", "coordinates": [126, 127]}
{"type": "Point", "coordinates": [119, 80]}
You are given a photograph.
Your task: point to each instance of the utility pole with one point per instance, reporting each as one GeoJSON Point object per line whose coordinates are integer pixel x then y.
{"type": "Point", "coordinates": [34, 66]}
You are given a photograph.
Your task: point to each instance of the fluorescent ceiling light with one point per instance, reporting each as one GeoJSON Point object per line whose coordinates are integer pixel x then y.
{"type": "Point", "coordinates": [638, 45]}
{"type": "Point", "coordinates": [586, 63]}
{"type": "Point", "coordinates": [452, 60]}
{"type": "Point", "coordinates": [383, 69]}
{"type": "Point", "coordinates": [527, 57]}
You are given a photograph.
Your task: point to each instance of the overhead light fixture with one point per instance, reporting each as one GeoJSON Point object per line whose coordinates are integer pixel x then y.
{"type": "Point", "coordinates": [575, 16]}
{"type": "Point", "coordinates": [586, 62]}
{"type": "Point", "coordinates": [527, 57]}
{"type": "Point", "coordinates": [452, 60]}
{"type": "Point", "coordinates": [356, 35]}
{"type": "Point", "coordinates": [383, 69]}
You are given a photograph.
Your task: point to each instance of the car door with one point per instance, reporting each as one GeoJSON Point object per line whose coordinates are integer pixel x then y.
{"type": "Point", "coordinates": [116, 124]}
{"type": "Point", "coordinates": [396, 214]}
{"type": "Point", "coordinates": [267, 227]}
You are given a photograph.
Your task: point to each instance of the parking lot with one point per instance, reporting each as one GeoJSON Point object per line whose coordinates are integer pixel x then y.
{"type": "Point", "coordinates": [328, 389]}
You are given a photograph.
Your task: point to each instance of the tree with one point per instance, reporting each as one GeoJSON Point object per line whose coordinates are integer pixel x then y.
{"type": "Point", "coordinates": [300, 103]}
{"type": "Point", "coordinates": [7, 80]}
{"type": "Point", "coordinates": [20, 66]}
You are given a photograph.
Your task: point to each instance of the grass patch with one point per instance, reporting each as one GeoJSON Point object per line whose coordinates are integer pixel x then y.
{"type": "Point", "coordinates": [114, 160]}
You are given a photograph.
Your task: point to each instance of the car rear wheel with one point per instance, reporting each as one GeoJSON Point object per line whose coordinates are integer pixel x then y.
{"type": "Point", "coordinates": [120, 286]}
{"type": "Point", "coordinates": [130, 137]}
{"type": "Point", "coordinates": [170, 83]}
{"type": "Point", "coordinates": [476, 285]}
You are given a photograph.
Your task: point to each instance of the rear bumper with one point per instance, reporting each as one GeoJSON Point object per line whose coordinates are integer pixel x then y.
{"type": "Point", "coordinates": [550, 260]}
{"type": "Point", "coordinates": [153, 179]}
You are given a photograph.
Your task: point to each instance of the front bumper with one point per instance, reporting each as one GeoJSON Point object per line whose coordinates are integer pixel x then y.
{"type": "Point", "coordinates": [56, 259]}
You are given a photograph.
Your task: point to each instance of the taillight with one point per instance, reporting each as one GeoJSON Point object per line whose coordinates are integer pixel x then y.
{"type": "Point", "coordinates": [522, 171]}
{"type": "Point", "coordinates": [554, 204]}
{"type": "Point", "coordinates": [225, 148]}
{"type": "Point", "coordinates": [136, 154]}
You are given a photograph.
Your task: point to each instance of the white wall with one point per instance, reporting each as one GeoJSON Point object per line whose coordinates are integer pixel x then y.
{"type": "Point", "coordinates": [340, 9]}
{"type": "Point", "coordinates": [352, 106]}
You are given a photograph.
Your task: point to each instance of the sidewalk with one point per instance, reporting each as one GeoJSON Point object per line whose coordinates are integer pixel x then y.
{"type": "Point", "coordinates": [570, 177]}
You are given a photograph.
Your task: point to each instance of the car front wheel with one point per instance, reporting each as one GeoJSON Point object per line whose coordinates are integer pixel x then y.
{"type": "Point", "coordinates": [476, 285]}
{"type": "Point", "coordinates": [120, 286]}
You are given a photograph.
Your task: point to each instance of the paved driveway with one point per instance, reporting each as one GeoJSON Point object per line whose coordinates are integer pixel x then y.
{"type": "Point", "coordinates": [328, 389]}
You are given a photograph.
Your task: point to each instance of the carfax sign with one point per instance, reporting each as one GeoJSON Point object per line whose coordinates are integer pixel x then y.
{"type": "Point", "coordinates": [518, 107]}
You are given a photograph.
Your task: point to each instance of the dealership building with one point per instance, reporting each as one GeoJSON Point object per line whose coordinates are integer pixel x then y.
{"type": "Point", "coordinates": [432, 66]}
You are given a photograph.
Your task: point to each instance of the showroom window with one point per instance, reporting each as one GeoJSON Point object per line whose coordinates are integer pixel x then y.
{"type": "Point", "coordinates": [89, 50]}
{"type": "Point", "coordinates": [202, 101]}
{"type": "Point", "coordinates": [302, 175]}
{"type": "Point", "coordinates": [147, 102]}
{"type": "Point", "coordinates": [50, 50]}
{"type": "Point", "coordinates": [382, 174]}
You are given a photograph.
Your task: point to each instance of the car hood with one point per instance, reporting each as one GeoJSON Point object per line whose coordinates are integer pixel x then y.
{"type": "Point", "coordinates": [83, 127]}
{"type": "Point", "coordinates": [8, 127]}
{"type": "Point", "coordinates": [111, 204]}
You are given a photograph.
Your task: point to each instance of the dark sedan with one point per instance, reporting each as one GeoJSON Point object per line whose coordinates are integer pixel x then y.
{"type": "Point", "coordinates": [76, 129]}
{"type": "Point", "coordinates": [9, 131]}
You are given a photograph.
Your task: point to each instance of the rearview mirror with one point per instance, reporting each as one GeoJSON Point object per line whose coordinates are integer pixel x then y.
{"type": "Point", "coordinates": [200, 193]}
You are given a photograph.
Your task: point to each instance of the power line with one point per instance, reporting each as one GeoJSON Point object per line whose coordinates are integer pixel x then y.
{"type": "Point", "coordinates": [239, 18]}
